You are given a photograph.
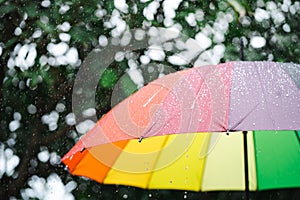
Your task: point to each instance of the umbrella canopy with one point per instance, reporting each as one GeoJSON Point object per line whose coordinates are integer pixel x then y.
{"type": "Point", "coordinates": [180, 109]}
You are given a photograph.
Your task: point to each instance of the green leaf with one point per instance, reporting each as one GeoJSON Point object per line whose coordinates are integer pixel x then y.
{"type": "Point", "coordinates": [128, 86]}
{"type": "Point", "coordinates": [32, 10]}
{"type": "Point", "coordinates": [109, 78]}
{"type": "Point", "coordinates": [4, 9]}
{"type": "Point", "coordinates": [80, 34]}
{"type": "Point", "coordinates": [47, 28]}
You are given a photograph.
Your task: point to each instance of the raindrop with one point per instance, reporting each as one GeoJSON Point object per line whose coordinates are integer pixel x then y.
{"type": "Point", "coordinates": [102, 40]}
{"type": "Point", "coordinates": [11, 142]}
{"type": "Point", "coordinates": [253, 123]}
{"type": "Point", "coordinates": [257, 42]}
{"type": "Point", "coordinates": [60, 107]}
{"type": "Point", "coordinates": [89, 112]}
{"type": "Point", "coordinates": [115, 41]}
{"type": "Point", "coordinates": [144, 59]}
{"type": "Point", "coordinates": [54, 116]}
{"type": "Point", "coordinates": [258, 151]}
{"type": "Point", "coordinates": [44, 156]}
{"type": "Point", "coordinates": [17, 116]}
{"type": "Point", "coordinates": [132, 64]}
{"type": "Point", "coordinates": [125, 40]}
{"type": "Point", "coordinates": [44, 19]}
{"type": "Point", "coordinates": [70, 119]}
{"type": "Point", "coordinates": [100, 13]}
{"type": "Point", "coordinates": [33, 163]}
{"type": "Point", "coordinates": [18, 31]}
{"type": "Point", "coordinates": [31, 109]}
{"type": "Point", "coordinates": [14, 125]}
{"type": "Point", "coordinates": [8, 153]}
{"type": "Point", "coordinates": [52, 126]}
{"type": "Point", "coordinates": [37, 33]}
{"type": "Point", "coordinates": [292, 9]}
{"type": "Point", "coordinates": [64, 26]}
{"type": "Point", "coordinates": [45, 3]}
{"type": "Point", "coordinates": [286, 28]}
{"type": "Point", "coordinates": [43, 61]}
{"type": "Point", "coordinates": [150, 195]}
{"type": "Point", "coordinates": [125, 196]}
{"type": "Point", "coordinates": [84, 126]}
{"type": "Point", "coordinates": [54, 158]}
{"type": "Point", "coordinates": [156, 53]}
{"type": "Point", "coordinates": [150, 69]}
{"type": "Point", "coordinates": [57, 49]}
{"type": "Point", "coordinates": [72, 56]}
{"type": "Point", "coordinates": [12, 162]}
{"type": "Point", "coordinates": [45, 119]}
{"type": "Point", "coordinates": [139, 34]}
{"type": "Point", "coordinates": [63, 9]}
{"type": "Point", "coordinates": [64, 37]}
{"type": "Point", "coordinates": [119, 56]}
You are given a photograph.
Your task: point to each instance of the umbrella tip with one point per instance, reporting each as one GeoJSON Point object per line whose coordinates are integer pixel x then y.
{"type": "Point", "coordinates": [140, 139]}
{"type": "Point", "coordinates": [227, 132]}
{"type": "Point", "coordinates": [82, 150]}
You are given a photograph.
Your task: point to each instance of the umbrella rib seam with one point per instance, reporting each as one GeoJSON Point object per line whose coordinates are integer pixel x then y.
{"type": "Point", "coordinates": [229, 97]}
{"type": "Point", "coordinates": [156, 160]}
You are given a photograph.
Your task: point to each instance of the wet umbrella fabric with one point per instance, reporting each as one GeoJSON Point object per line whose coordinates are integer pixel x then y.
{"type": "Point", "coordinates": [181, 108]}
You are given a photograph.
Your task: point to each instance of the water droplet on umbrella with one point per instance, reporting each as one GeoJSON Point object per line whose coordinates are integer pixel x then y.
{"type": "Point", "coordinates": [259, 151]}
{"type": "Point", "coordinates": [253, 123]}
{"type": "Point", "coordinates": [186, 181]}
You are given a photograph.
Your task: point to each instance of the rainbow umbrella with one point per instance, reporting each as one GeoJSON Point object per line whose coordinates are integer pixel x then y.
{"type": "Point", "coordinates": [184, 131]}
